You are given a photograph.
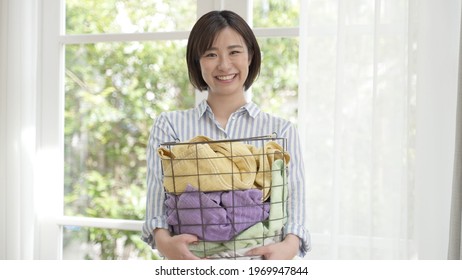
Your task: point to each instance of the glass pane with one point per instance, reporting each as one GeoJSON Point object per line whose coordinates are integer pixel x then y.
{"type": "Point", "coordinates": [112, 94]}
{"type": "Point", "coordinates": [126, 16]}
{"type": "Point", "coordinates": [81, 243]}
{"type": "Point", "coordinates": [276, 13]}
{"type": "Point", "coordinates": [276, 89]}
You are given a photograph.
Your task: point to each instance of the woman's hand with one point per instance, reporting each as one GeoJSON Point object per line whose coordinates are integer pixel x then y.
{"type": "Point", "coordinates": [284, 250]}
{"type": "Point", "coordinates": [174, 247]}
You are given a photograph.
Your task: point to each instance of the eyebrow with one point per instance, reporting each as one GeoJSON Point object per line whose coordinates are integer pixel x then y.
{"type": "Point", "coordinates": [229, 47]}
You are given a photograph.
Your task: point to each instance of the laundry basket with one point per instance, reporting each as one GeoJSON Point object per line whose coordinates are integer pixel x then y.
{"type": "Point", "coordinates": [232, 194]}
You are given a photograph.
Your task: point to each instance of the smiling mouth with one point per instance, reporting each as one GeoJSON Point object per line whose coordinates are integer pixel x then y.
{"type": "Point", "coordinates": [226, 78]}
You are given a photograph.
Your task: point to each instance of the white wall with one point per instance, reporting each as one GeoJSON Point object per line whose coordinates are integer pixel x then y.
{"type": "Point", "coordinates": [437, 72]}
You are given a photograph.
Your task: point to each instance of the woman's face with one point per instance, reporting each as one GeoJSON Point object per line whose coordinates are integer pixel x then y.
{"type": "Point", "coordinates": [225, 65]}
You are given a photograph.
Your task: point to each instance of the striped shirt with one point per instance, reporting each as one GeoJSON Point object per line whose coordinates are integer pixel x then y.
{"type": "Point", "coordinates": [248, 121]}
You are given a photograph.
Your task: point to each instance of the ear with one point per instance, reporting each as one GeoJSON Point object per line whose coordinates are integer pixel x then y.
{"type": "Point", "coordinates": [250, 58]}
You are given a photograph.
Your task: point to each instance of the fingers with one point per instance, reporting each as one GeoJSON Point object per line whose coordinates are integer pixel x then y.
{"type": "Point", "coordinates": [180, 246]}
{"type": "Point", "coordinates": [188, 238]}
{"type": "Point", "coordinates": [259, 251]}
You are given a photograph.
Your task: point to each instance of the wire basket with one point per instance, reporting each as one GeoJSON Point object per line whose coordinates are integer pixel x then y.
{"type": "Point", "coordinates": [232, 194]}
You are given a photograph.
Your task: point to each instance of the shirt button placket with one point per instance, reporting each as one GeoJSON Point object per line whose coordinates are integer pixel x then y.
{"type": "Point", "coordinates": [230, 125]}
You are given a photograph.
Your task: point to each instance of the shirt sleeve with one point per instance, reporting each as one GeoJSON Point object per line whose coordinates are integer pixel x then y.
{"type": "Point", "coordinates": [155, 216]}
{"type": "Point", "coordinates": [297, 218]}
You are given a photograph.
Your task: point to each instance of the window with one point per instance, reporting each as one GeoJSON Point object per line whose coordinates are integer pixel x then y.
{"type": "Point", "coordinates": [120, 64]}
{"type": "Point", "coordinates": [33, 123]}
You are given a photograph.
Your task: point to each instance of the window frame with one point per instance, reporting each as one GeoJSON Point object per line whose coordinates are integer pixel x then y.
{"type": "Point", "coordinates": [50, 124]}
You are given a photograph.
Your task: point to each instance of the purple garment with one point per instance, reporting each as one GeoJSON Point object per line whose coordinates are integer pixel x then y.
{"type": "Point", "coordinates": [211, 216]}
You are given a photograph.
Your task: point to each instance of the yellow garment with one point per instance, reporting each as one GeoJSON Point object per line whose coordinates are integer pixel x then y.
{"type": "Point", "coordinates": [265, 158]}
{"type": "Point", "coordinates": [219, 165]}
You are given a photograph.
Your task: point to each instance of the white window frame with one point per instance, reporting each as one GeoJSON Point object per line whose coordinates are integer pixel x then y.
{"type": "Point", "coordinates": [50, 127]}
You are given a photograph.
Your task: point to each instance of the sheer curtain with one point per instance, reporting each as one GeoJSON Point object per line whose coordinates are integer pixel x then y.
{"type": "Point", "coordinates": [18, 82]}
{"type": "Point", "coordinates": [455, 232]}
{"type": "Point", "coordinates": [377, 116]}
{"type": "Point", "coordinates": [359, 102]}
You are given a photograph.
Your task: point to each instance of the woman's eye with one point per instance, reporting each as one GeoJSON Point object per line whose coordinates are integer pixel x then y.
{"type": "Point", "coordinates": [210, 55]}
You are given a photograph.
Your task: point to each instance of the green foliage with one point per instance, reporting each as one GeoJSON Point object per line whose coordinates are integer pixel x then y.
{"type": "Point", "coordinates": [276, 89]}
{"type": "Point", "coordinates": [113, 91]}
{"type": "Point", "coordinates": [276, 13]}
{"type": "Point", "coordinates": [115, 16]}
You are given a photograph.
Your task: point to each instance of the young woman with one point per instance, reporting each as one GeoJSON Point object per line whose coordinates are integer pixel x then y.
{"type": "Point", "coordinates": [223, 58]}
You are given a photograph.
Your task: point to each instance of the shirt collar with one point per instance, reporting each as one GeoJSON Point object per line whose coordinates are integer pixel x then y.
{"type": "Point", "coordinates": [251, 108]}
{"type": "Point", "coordinates": [202, 108]}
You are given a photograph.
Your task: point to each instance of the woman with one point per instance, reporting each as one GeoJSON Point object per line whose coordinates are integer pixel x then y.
{"type": "Point", "coordinates": [223, 58]}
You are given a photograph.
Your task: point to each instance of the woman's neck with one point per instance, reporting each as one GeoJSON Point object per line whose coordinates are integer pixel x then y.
{"type": "Point", "coordinates": [223, 106]}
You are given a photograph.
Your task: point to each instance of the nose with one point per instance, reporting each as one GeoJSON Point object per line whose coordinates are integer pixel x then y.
{"type": "Point", "coordinates": [224, 62]}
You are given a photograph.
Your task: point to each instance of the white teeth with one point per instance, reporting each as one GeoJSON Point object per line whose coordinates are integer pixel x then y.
{"type": "Point", "coordinates": [224, 78]}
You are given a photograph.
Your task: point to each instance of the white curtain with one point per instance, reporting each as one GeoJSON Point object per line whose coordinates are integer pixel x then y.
{"type": "Point", "coordinates": [358, 98]}
{"type": "Point", "coordinates": [18, 90]}
{"type": "Point", "coordinates": [377, 109]}
{"type": "Point", "coordinates": [455, 232]}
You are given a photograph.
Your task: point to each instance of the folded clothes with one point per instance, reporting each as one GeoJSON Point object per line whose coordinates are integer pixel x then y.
{"type": "Point", "coordinates": [255, 236]}
{"type": "Point", "coordinates": [262, 233]}
{"type": "Point", "coordinates": [219, 165]}
{"type": "Point", "coordinates": [215, 216]}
